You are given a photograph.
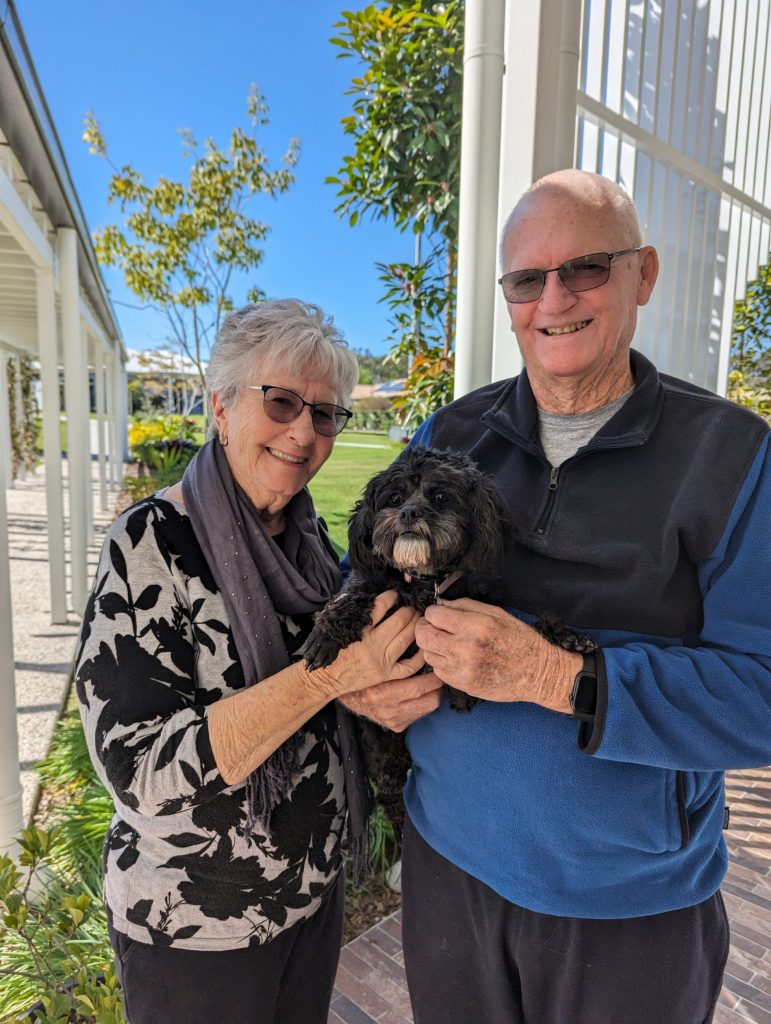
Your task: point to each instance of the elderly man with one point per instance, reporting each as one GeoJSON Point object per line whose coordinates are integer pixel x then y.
{"type": "Point", "coordinates": [564, 848]}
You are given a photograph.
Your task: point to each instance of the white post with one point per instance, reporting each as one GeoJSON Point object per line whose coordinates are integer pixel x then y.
{"type": "Point", "coordinates": [538, 125]}
{"type": "Point", "coordinates": [52, 447]}
{"type": "Point", "coordinates": [479, 157]}
{"type": "Point", "coordinates": [112, 428]}
{"type": "Point", "coordinates": [88, 346]}
{"type": "Point", "coordinates": [100, 424]}
{"type": "Point", "coordinates": [121, 409]}
{"type": "Point", "coordinates": [11, 809]}
{"type": "Point", "coordinates": [76, 404]}
{"type": "Point", "coordinates": [6, 449]}
{"type": "Point", "coordinates": [19, 424]}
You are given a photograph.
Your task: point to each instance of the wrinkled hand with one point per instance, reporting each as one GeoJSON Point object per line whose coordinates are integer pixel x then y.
{"type": "Point", "coordinates": [377, 656]}
{"type": "Point", "coordinates": [491, 654]}
{"type": "Point", "coordinates": [396, 704]}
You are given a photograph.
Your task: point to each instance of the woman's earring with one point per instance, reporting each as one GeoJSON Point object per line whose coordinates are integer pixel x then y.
{"type": "Point", "coordinates": [223, 440]}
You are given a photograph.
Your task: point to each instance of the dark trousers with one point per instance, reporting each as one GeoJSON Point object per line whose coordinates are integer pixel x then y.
{"type": "Point", "coordinates": [474, 958]}
{"type": "Point", "coordinates": [288, 980]}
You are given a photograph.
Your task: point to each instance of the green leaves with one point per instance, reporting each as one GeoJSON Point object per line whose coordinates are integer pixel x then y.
{"type": "Point", "coordinates": [405, 167]}
{"type": "Point", "coordinates": [180, 241]}
{"type": "Point", "coordinates": [406, 119]}
{"type": "Point", "coordinates": [749, 378]}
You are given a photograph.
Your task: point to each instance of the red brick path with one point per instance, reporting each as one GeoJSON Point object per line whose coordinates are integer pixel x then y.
{"type": "Point", "coordinates": [371, 987]}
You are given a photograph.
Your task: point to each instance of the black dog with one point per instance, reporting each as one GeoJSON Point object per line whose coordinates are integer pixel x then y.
{"type": "Point", "coordinates": [430, 524]}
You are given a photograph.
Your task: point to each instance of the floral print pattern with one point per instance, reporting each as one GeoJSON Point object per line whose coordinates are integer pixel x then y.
{"type": "Point", "coordinates": [155, 651]}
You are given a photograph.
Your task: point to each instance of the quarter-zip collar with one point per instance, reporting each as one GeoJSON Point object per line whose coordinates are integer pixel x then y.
{"type": "Point", "coordinates": [515, 414]}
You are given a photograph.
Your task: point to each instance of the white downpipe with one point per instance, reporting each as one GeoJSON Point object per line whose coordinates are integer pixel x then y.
{"type": "Point", "coordinates": [477, 230]}
{"type": "Point", "coordinates": [49, 383]}
{"type": "Point", "coordinates": [76, 403]}
{"type": "Point", "coordinates": [11, 810]}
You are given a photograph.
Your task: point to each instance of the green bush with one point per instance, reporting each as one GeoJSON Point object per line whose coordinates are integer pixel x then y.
{"type": "Point", "coordinates": [54, 950]}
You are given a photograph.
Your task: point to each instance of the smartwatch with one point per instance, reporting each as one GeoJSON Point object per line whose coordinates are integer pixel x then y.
{"type": "Point", "coordinates": [583, 696]}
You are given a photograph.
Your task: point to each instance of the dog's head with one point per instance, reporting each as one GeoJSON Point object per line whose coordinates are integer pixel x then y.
{"type": "Point", "coordinates": [428, 513]}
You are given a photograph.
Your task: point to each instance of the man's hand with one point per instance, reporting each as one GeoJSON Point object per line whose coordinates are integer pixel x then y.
{"type": "Point", "coordinates": [398, 703]}
{"type": "Point", "coordinates": [491, 654]}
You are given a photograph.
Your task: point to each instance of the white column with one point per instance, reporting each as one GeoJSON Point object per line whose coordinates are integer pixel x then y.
{"type": "Point", "coordinates": [49, 383]}
{"type": "Point", "coordinates": [100, 424]}
{"type": "Point", "coordinates": [76, 404]}
{"type": "Point", "coordinates": [6, 453]}
{"type": "Point", "coordinates": [121, 408]}
{"type": "Point", "coordinates": [479, 157]}
{"type": "Point", "coordinates": [112, 427]}
{"type": "Point", "coordinates": [11, 812]}
{"type": "Point", "coordinates": [19, 424]}
{"type": "Point", "coordinates": [538, 124]}
{"type": "Point", "coordinates": [88, 347]}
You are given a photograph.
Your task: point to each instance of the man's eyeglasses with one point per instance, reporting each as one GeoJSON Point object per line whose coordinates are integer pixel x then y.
{"type": "Point", "coordinates": [283, 406]}
{"type": "Point", "coordinates": [578, 275]}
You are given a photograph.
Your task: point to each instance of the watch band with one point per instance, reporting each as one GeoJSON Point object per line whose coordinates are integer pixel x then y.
{"type": "Point", "coordinates": [583, 696]}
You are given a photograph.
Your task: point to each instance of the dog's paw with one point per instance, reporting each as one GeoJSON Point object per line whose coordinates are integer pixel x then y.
{"type": "Point", "coordinates": [460, 701]}
{"type": "Point", "coordinates": [319, 650]}
{"type": "Point", "coordinates": [556, 632]}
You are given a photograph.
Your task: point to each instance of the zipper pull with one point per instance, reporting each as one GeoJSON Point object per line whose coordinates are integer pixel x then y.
{"type": "Point", "coordinates": [553, 478]}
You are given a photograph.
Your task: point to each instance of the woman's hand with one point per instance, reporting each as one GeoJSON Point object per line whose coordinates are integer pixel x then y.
{"type": "Point", "coordinates": [377, 656]}
{"type": "Point", "coordinates": [398, 703]}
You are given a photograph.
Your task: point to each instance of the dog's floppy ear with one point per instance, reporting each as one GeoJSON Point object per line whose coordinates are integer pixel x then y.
{"type": "Point", "coordinates": [360, 527]}
{"type": "Point", "coordinates": [489, 515]}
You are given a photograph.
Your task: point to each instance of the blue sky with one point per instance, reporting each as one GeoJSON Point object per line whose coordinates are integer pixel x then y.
{"type": "Point", "coordinates": [149, 68]}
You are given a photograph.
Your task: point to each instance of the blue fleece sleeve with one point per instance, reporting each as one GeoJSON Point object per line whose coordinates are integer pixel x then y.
{"type": "Point", "coordinates": [422, 436]}
{"type": "Point", "coordinates": [705, 707]}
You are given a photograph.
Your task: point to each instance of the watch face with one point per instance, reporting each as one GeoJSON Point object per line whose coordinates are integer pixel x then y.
{"type": "Point", "coordinates": [584, 696]}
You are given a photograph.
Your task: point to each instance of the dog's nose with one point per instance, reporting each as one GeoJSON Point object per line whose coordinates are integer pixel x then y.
{"type": "Point", "coordinates": [410, 514]}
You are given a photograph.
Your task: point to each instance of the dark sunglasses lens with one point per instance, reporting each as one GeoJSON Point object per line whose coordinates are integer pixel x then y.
{"type": "Point", "coordinates": [523, 285]}
{"type": "Point", "coordinates": [329, 419]}
{"type": "Point", "coordinates": [585, 272]}
{"type": "Point", "coordinates": [282, 406]}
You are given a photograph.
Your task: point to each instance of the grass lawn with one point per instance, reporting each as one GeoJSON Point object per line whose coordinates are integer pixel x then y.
{"type": "Point", "coordinates": [340, 481]}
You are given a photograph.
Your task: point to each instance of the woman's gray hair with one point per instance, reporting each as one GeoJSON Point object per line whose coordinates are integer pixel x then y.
{"type": "Point", "coordinates": [280, 334]}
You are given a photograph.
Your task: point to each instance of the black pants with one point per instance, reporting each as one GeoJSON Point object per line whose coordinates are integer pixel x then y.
{"type": "Point", "coordinates": [288, 980]}
{"type": "Point", "coordinates": [474, 958]}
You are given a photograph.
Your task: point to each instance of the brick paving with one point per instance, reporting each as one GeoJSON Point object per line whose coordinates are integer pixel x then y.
{"type": "Point", "coordinates": [371, 987]}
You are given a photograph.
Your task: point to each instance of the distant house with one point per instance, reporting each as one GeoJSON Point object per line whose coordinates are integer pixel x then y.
{"type": "Point", "coordinates": [164, 380]}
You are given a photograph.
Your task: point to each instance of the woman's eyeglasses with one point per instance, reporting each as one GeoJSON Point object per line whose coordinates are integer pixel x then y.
{"type": "Point", "coordinates": [283, 406]}
{"type": "Point", "coordinates": [578, 275]}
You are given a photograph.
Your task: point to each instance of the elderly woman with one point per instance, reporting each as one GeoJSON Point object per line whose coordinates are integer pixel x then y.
{"type": "Point", "coordinates": [223, 863]}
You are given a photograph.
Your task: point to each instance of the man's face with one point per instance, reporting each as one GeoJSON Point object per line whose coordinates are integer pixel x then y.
{"type": "Point", "coordinates": [575, 336]}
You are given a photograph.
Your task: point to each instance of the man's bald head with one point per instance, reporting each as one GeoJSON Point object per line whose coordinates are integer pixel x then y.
{"type": "Point", "coordinates": [600, 196]}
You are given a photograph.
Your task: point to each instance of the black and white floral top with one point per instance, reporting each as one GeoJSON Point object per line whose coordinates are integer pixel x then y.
{"type": "Point", "coordinates": [156, 650]}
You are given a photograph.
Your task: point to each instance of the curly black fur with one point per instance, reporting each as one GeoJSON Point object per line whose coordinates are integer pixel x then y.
{"type": "Point", "coordinates": [429, 517]}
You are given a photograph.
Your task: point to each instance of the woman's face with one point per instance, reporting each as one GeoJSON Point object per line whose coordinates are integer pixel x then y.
{"type": "Point", "coordinates": [273, 461]}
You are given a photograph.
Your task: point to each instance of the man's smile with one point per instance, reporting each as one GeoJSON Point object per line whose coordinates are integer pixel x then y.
{"type": "Point", "coordinates": [569, 329]}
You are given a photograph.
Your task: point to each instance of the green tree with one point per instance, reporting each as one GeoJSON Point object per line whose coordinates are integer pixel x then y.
{"type": "Point", "coordinates": [749, 377]}
{"type": "Point", "coordinates": [182, 241]}
{"type": "Point", "coordinates": [405, 167]}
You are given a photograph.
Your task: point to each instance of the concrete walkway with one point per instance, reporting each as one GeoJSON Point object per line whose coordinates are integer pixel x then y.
{"type": "Point", "coordinates": [371, 987]}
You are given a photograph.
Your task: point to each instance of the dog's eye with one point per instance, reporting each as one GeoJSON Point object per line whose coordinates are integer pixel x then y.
{"type": "Point", "coordinates": [441, 497]}
{"type": "Point", "coordinates": [394, 499]}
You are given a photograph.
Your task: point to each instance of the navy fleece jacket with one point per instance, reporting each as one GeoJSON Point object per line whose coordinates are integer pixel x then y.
{"type": "Point", "coordinates": [654, 539]}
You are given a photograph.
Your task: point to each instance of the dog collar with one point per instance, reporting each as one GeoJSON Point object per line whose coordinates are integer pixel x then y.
{"type": "Point", "coordinates": [440, 586]}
